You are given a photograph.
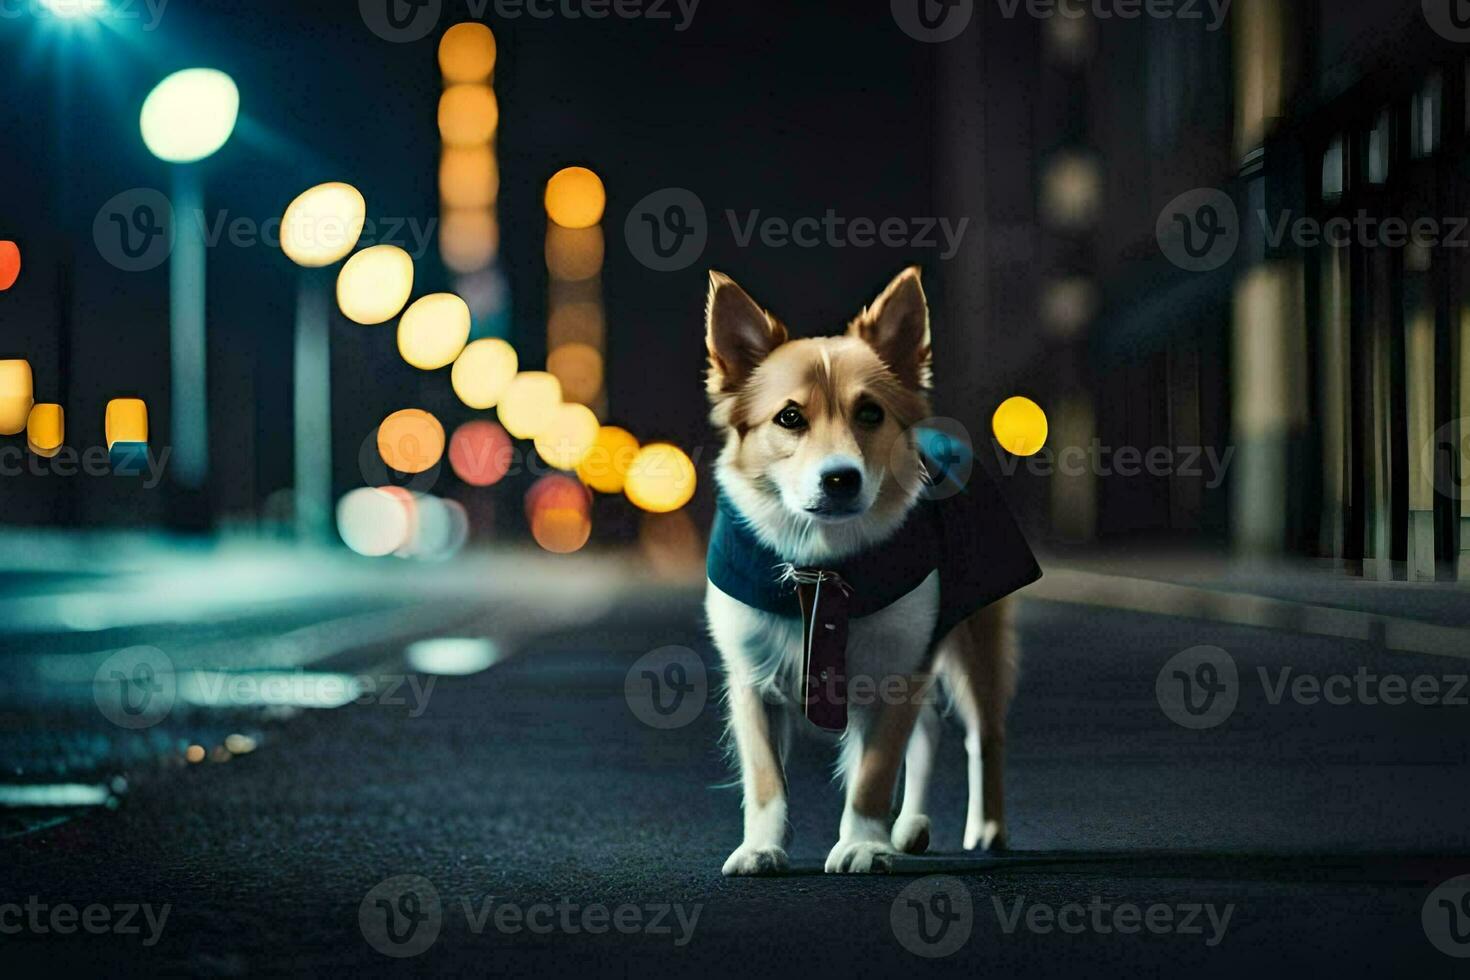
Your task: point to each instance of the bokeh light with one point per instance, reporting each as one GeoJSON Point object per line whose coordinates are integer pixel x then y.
{"type": "Point", "coordinates": [574, 254]}
{"type": "Point", "coordinates": [575, 198]}
{"type": "Point", "coordinates": [528, 403]}
{"type": "Point", "coordinates": [433, 331]}
{"type": "Point", "coordinates": [482, 372]}
{"type": "Point", "coordinates": [46, 429]}
{"type": "Point", "coordinates": [374, 284]}
{"type": "Point", "coordinates": [568, 436]}
{"type": "Point", "coordinates": [468, 177]}
{"type": "Point", "coordinates": [322, 224]}
{"type": "Point", "coordinates": [660, 479]}
{"type": "Point", "coordinates": [559, 511]}
{"type": "Point", "coordinates": [469, 239]}
{"type": "Point", "coordinates": [17, 394]}
{"type": "Point", "coordinates": [1020, 426]}
{"type": "Point", "coordinates": [126, 420]}
{"type": "Point", "coordinates": [189, 115]}
{"type": "Point", "coordinates": [468, 115]}
{"type": "Point", "coordinates": [480, 453]}
{"type": "Point", "coordinates": [575, 323]}
{"type": "Point", "coordinates": [579, 369]}
{"type": "Point", "coordinates": [372, 521]}
{"type": "Point", "coordinates": [467, 53]}
{"type": "Point", "coordinates": [605, 467]}
{"type": "Point", "coordinates": [439, 529]}
{"type": "Point", "coordinates": [410, 440]}
{"type": "Point", "coordinates": [9, 264]}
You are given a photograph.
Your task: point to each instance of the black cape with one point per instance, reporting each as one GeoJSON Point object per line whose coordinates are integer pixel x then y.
{"type": "Point", "coordinates": [965, 530]}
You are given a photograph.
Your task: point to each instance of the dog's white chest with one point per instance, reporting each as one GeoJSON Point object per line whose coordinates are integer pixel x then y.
{"type": "Point", "coordinates": [890, 643]}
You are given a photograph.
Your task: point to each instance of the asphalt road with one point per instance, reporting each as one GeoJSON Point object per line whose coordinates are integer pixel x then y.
{"type": "Point", "coordinates": [526, 820]}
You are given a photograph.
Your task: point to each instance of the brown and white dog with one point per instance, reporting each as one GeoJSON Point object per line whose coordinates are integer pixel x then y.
{"type": "Point", "coordinates": [820, 461]}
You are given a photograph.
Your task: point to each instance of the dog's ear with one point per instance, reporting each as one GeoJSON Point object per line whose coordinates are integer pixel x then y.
{"type": "Point", "coordinates": [739, 335]}
{"type": "Point", "coordinates": [897, 327]}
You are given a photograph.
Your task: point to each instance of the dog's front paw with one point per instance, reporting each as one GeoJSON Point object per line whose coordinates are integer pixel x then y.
{"type": "Point", "coordinates": [755, 859]}
{"type": "Point", "coordinates": [987, 834]}
{"type": "Point", "coordinates": [911, 834]}
{"type": "Point", "coordinates": [860, 857]}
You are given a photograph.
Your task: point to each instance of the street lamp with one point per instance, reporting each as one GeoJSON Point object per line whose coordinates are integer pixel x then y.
{"type": "Point", "coordinates": [186, 118]}
{"type": "Point", "coordinates": [319, 228]}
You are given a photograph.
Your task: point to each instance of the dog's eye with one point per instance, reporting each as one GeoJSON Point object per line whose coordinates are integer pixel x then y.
{"type": "Point", "coordinates": [870, 414]}
{"type": "Point", "coordinates": [790, 417]}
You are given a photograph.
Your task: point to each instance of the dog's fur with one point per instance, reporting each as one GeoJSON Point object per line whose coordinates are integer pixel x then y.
{"type": "Point", "coordinates": [772, 474]}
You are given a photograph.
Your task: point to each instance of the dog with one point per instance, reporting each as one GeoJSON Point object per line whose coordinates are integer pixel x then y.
{"type": "Point", "coordinates": [823, 573]}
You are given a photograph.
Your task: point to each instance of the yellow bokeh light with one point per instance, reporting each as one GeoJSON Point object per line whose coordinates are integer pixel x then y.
{"type": "Point", "coordinates": [410, 440]}
{"type": "Point", "coordinates": [126, 420]}
{"type": "Point", "coordinates": [573, 254]}
{"type": "Point", "coordinates": [468, 239]}
{"type": "Point", "coordinates": [189, 114]}
{"type": "Point", "coordinates": [46, 429]}
{"type": "Point", "coordinates": [467, 53]}
{"type": "Point", "coordinates": [561, 530]}
{"type": "Point", "coordinates": [374, 284]}
{"type": "Point", "coordinates": [579, 369]}
{"type": "Point", "coordinates": [605, 467]}
{"type": "Point", "coordinates": [323, 224]}
{"type": "Point", "coordinates": [433, 331]}
{"type": "Point", "coordinates": [528, 402]}
{"type": "Point", "coordinates": [568, 437]}
{"type": "Point", "coordinates": [468, 115]}
{"type": "Point", "coordinates": [483, 371]}
{"type": "Point", "coordinates": [575, 323]}
{"type": "Point", "coordinates": [660, 479]}
{"type": "Point", "coordinates": [575, 198]}
{"type": "Point", "coordinates": [1020, 426]}
{"type": "Point", "coordinates": [468, 177]}
{"type": "Point", "coordinates": [17, 394]}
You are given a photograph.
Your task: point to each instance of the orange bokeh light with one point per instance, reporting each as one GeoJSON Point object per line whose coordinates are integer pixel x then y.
{"type": "Point", "coordinates": [411, 440]}
{"type": "Point", "coordinates": [9, 264]}
{"type": "Point", "coordinates": [467, 53]}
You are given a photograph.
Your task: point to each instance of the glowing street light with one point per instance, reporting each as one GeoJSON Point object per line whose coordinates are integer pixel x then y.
{"type": "Point", "coordinates": [187, 117]}
{"type": "Point", "coordinates": [318, 228]}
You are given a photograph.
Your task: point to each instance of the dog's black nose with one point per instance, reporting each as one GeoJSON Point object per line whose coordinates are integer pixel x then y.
{"type": "Point", "coordinates": [842, 484]}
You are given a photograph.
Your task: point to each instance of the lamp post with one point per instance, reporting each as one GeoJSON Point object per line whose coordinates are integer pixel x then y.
{"type": "Point", "coordinates": [186, 118]}
{"type": "Point", "coordinates": [318, 229]}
